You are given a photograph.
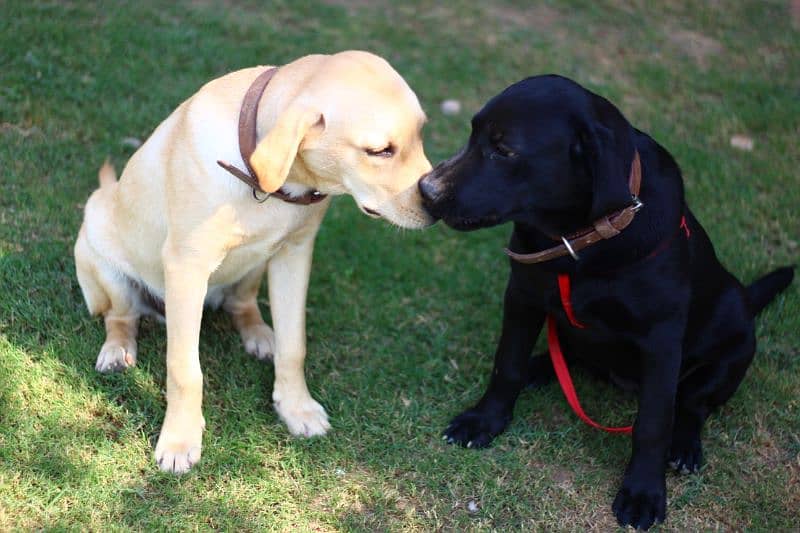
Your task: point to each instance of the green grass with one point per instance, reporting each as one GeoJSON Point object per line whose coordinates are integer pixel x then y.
{"type": "Point", "coordinates": [402, 325]}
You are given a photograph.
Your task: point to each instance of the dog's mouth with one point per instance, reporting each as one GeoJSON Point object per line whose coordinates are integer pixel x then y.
{"type": "Point", "coordinates": [369, 212]}
{"type": "Point", "coordinates": [472, 223]}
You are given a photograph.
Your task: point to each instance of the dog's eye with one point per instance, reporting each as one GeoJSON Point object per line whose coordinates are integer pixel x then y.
{"type": "Point", "coordinates": [387, 151]}
{"type": "Point", "coordinates": [505, 150]}
{"type": "Point", "coordinates": [501, 147]}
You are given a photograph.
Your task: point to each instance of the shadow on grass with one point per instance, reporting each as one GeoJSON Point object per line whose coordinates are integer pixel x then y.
{"type": "Point", "coordinates": [64, 425]}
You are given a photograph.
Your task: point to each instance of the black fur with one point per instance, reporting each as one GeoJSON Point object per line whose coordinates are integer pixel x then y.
{"type": "Point", "coordinates": [663, 316]}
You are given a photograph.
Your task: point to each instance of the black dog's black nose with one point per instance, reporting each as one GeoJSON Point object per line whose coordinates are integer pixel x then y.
{"type": "Point", "coordinates": [428, 188]}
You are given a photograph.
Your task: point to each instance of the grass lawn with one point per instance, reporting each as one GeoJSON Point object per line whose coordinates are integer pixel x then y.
{"type": "Point", "coordinates": [402, 325]}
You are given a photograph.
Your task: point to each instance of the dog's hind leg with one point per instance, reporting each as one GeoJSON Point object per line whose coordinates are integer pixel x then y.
{"type": "Point", "coordinates": [702, 391]}
{"type": "Point", "coordinates": [240, 302]}
{"type": "Point", "coordinates": [540, 370]}
{"type": "Point", "coordinates": [111, 295]}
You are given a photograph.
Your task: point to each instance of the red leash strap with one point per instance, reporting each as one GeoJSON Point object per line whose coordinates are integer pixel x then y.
{"type": "Point", "coordinates": [566, 301]}
{"type": "Point", "coordinates": [560, 365]}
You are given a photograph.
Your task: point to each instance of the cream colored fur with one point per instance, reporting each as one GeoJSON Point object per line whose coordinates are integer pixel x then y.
{"type": "Point", "coordinates": [183, 228]}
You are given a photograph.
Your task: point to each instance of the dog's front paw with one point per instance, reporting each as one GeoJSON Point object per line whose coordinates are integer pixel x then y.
{"type": "Point", "coordinates": [303, 416]}
{"type": "Point", "coordinates": [476, 428]}
{"type": "Point", "coordinates": [686, 456]}
{"type": "Point", "coordinates": [259, 341]}
{"type": "Point", "coordinates": [116, 357]}
{"type": "Point", "coordinates": [642, 506]}
{"type": "Point", "coordinates": [179, 446]}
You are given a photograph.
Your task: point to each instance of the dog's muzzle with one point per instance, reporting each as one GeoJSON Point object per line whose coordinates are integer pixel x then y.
{"type": "Point", "coordinates": [430, 189]}
{"type": "Point", "coordinates": [432, 186]}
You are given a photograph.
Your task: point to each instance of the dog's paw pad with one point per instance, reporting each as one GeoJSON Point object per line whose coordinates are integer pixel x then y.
{"type": "Point", "coordinates": [304, 418]}
{"type": "Point", "coordinates": [259, 341]}
{"type": "Point", "coordinates": [178, 458]}
{"type": "Point", "coordinates": [178, 450]}
{"type": "Point", "coordinates": [687, 458]}
{"type": "Point", "coordinates": [640, 509]}
{"type": "Point", "coordinates": [115, 357]}
{"type": "Point", "coordinates": [475, 429]}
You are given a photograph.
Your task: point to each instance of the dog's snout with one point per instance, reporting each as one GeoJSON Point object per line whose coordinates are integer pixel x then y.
{"type": "Point", "coordinates": [428, 187]}
{"type": "Point", "coordinates": [439, 165]}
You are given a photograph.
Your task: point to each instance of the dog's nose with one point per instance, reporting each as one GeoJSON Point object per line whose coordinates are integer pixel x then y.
{"type": "Point", "coordinates": [428, 188]}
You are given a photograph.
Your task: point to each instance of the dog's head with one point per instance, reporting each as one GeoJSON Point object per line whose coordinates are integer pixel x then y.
{"type": "Point", "coordinates": [351, 125]}
{"type": "Point", "coordinates": [545, 152]}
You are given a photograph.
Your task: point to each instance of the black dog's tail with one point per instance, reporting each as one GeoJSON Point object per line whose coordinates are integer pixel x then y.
{"type": "Point", "coordinates": [763, 290]}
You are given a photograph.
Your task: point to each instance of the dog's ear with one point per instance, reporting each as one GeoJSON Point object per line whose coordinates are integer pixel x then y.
{"type": "Point", "coordinates": [275, 153]}
{"type": "Point", "coordinates": [609, 147]}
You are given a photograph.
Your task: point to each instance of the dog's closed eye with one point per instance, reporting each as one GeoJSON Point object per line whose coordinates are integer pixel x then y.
{"type": "Point", "coordinates": [386, 151]}
{"type": "Point", "coordinates": [501, 147]}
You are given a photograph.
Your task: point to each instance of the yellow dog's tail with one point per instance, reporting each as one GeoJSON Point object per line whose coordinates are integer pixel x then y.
{"type": "Point", "coordinates": [107, 174]}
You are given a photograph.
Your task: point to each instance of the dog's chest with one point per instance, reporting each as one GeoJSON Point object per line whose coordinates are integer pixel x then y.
{"type": "Point", "coordinates": [599, 307]}
{"type": "Point", "coordinates": [596, 327]}
{"type": "Point", "coordinates": [242, 259]}
{"type": "Point", "coordinates": [606, 308]}
{"type": "Point", "coordinates": [260, 235]}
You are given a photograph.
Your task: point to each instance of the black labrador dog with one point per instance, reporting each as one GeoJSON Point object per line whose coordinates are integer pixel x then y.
{"type": "Point", "coordinates": [604, 247]}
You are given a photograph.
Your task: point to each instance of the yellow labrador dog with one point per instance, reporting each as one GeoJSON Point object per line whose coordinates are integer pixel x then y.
{"type": "Point", "coordinates": [180, 231]}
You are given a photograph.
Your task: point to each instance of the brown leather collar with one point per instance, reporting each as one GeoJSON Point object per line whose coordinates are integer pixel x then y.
{"type": "Point", "coordinates": [603, 228]}
{"type": "Point", "coordinates": [247, 145]}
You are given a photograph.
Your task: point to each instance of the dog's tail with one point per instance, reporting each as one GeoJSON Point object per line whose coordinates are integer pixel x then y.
{"type": "Point", "coordinates": [763, 290]}
{"type": "Point", "coordinates": [107, 174]}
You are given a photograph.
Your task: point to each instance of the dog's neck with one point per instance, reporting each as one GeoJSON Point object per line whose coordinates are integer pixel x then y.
{"type": "Point", "coordinates": [301, 179]}
{"type": "Point", "coordinates": [604, 228]}
{"type": "Point", "coordinates": [662, 191]}
{"type": "Point", "coordinates": [248, 138]}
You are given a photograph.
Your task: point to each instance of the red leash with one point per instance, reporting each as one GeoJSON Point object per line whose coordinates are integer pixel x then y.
{"type": "Point", "coordinates": [560, 365]}
{"type": "Point", "coordinates": [565, 381]}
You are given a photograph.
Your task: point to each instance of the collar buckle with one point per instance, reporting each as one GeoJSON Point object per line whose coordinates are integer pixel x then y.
{"type": "Point", "coordinates": [260, 200]}
{"type": "Point", "coordinates": [572, 252]}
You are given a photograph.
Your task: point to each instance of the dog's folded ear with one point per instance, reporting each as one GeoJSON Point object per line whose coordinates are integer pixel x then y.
{"type": "Point", "coordinates": [276, 152]}
{"type": "Point", "coordinates": [609, 153]}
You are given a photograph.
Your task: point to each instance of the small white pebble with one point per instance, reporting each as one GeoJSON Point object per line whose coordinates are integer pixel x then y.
{"type": "Point", "coordinates": [131, 142]}
{"type": "Point", "coordinates": [742, 142]}
{"type": "Point", "coordinates": [451, 107]}
{"type": "Point", "coordinates": [472, 507]}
